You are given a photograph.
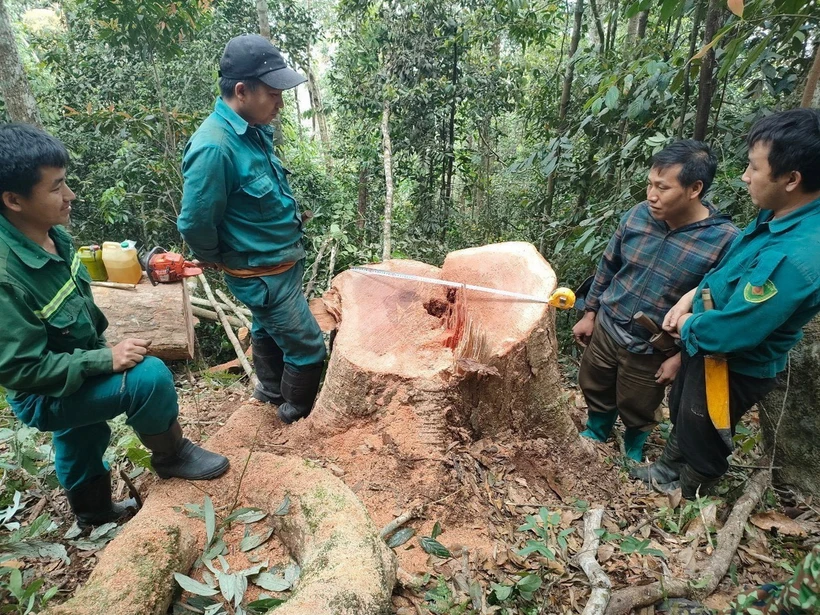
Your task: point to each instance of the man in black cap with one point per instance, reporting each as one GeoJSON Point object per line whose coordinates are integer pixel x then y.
{"type": "Point", "coordinates": [238, 213]}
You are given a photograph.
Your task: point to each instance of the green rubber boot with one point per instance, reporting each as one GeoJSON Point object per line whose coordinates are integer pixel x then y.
{"type": "Point", "coordinates": [634, 439]}
{"type": "Point", "coordinates": [666, 469]}
{"type": "Point", "coordinates": [599, 425]}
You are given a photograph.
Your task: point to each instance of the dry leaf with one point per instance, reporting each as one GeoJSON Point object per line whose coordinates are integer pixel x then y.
{"type": "Point", "coordinates": [775, 521]}
{"type": "Point", "coordinates": [736, 6]}
{"type": "Point", "coordinates": [674, 498]}
{"type": "Point", "coordinates": [605, 553]}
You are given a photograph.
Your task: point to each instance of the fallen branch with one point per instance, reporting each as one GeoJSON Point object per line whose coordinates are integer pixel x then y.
{"type": "Point", "coordinates": [399, 521]}
{"type": "Point", "coordinates": [205, 303]}
{"type": "Point", "coordinates": [240, 354]}
{"type": "Point", "coordinates": [211, 315]}
{"type": "Point", "coordinates": [235, 308]}
{"type": "Point", "coordinates": [598, 580]}
{"type": "Point", "coordinates": [728, 539]}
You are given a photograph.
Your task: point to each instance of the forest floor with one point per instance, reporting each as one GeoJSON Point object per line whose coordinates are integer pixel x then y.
{"type": "Point", "coordinates": [510, 526]}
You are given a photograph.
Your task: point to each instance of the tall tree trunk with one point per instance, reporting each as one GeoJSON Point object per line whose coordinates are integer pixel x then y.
{"type": "Point", "coordinates": [387, 149]}
{"type": "Point", "coordinates": [687, 84]}
{"type": "Point", "coordinates": [811, 79]}
{"type": "Point", "coordinates": [599, 28]}
{"type": "Point", "coordinates": [636, 28]}
{"type": "Point", "coordinates": [449, 154]}
{"type": "Point", "coordinates": [15, 89]}
{"type": "Point", "coordinates": [364, 172]}
{"type": "Point", "coordinates": [262, 16]}
{"type": "Point", "coordinates": [562, 110]}
{"type": "Point", "coordinates": [790, 416]}
{"type": "Point", "coordinates": [706, 82]}
{"type": "Point", "coordinates": [319, 114]}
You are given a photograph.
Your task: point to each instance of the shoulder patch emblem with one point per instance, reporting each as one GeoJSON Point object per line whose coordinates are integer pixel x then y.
{"type": "Point", "coordinates": [759, 294]}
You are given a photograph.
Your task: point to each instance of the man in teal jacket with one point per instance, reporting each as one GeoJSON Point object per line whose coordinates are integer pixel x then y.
{"type": "Point", "coordinates": [765, 290]}
{"type": "Point", "coordinates": [238, 213]}
{"type": "Point", "coordinates": [58, 372]}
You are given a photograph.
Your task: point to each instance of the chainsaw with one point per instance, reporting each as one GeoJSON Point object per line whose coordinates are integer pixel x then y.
{"type": "Point", "coordinates": [166, 267]}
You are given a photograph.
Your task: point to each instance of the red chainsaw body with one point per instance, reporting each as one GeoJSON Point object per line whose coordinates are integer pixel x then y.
{"type": "Point", "coordinates": [167, 267]}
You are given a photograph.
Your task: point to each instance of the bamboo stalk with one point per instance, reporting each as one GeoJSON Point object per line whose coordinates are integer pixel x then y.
{"type": "Point", "coordinates": [206, 304]}
{"type": "Point", "coordinates": [118, 285]}
{"type": "Point", "coordinates": [240, 354]}
{"type": "Point", "coordinates": [211, 315]}
{"type": "Point", "coordinates": [235, 308]}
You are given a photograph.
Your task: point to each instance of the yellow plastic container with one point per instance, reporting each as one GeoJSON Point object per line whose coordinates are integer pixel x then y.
{"type": "Point", "coordinates": [91, 257]}
{"type": "Point", "coordinates": [121, 262]}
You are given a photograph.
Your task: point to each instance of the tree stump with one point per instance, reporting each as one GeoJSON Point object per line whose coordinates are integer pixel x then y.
{"type": "Point", "coordinates": [461, 359]}
{"type": "Point", "coordinates": [797, 430]}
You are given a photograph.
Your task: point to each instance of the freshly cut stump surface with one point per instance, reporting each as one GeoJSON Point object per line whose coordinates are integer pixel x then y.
{"type": "Point", "coordinates": [346, 568]}
{"type": "Point", "coordinates": [459, 358]}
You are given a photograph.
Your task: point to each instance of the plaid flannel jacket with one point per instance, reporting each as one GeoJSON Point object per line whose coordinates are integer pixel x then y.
{"type": "Point", "coordinates": [648, 267]}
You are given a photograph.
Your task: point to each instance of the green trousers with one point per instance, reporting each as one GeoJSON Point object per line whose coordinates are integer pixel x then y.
{"type": "Point", "coordinates": [612, 378]}
{"type": "Point", "coordinates": [281, 313]}
{"type": "Point", "coordinates": [145, 394]}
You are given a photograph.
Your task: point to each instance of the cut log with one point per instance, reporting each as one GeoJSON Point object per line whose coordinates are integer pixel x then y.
{"type": "Point", "coordinates": [159, 313]}
{"type": "Point", "coordinates": [461, 359]}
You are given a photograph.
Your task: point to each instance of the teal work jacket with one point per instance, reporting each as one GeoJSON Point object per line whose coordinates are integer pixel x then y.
{"type": "Point", "coordinates": [765, 290]}
{"type": "Point", "coordinates": [237, 207]}
{"type": "Point", "coordinates": [51, 331]}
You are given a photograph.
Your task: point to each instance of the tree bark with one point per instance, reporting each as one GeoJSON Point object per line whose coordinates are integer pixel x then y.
{"type": "Point", "coordinates": [687, 85]}
{"type": "Point", "coordinates": [262, 16]}
{"type": "Point", "coordinates": [387, 150]}
{"type": "Point", "coordinates": [364, 173]}
{"type": "Point", "coordinates": [596, 17]}
{"type": "Point", "coordinates": [706, 82]}
{"type": "Point", "coordinates": [810, 88]}
{"type": "Point", "coordinates": [21, 106]}
{"type": "Point", "coordinates": [790, 416]}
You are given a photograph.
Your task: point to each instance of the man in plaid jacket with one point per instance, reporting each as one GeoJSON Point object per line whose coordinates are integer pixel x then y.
{"type": "Point", "coordinates": [661, 249]}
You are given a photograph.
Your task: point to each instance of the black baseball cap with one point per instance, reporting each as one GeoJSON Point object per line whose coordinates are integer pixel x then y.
{"type": "Point", "coordinates": [251, 56]}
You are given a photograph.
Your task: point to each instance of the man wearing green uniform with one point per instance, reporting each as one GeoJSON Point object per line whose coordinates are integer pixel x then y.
{"type": "Point", "coordinates": [238, 213]}
{"type": "Point", "coordinates": [765, 290]}
{"type": "Point", "coordinates": [59, 373]}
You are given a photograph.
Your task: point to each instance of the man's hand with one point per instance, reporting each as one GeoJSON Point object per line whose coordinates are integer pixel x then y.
{"type": "Point", "coordinates": [683, 306]}
{"type": "Point", "coordinates": [668, 370]}
{"type": "Point", "coordinates": [128, 353]}
{"type": "Point", "coordinates": [582, 331]}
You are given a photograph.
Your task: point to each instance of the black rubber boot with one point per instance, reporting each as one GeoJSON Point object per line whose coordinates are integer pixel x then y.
{"type": "Point", "coordinates": [299, 388]}
{"type": "Point", "coordinates": [694, 484]}
{"type": "Point", "coordinates": [269, 364]}
{"type": "Point", "coordinates": [178, 457]}
{"type": "Point", "coordinates": [666, 469]}
{"type": "Point", "coordinates": [91, 503]}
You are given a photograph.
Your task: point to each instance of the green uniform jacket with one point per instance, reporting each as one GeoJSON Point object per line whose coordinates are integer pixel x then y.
{"type": "Point", "coordinates": [764, 290]}
{"type": "Point", "coordinates": [51, 332]}
{"type": "Point", "coordinates": [237, 206]}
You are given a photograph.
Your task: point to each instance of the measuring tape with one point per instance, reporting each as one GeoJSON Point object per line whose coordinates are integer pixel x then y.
{"type": "Point", "coordinates": [562, 298]}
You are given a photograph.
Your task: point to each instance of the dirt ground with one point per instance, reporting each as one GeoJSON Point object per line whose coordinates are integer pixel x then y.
{"type": "Point", "coordinates": [478, 494]}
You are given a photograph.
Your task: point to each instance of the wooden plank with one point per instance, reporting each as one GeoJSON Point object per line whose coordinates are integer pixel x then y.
{"type": "Point", "coordinates": [159, 313]}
